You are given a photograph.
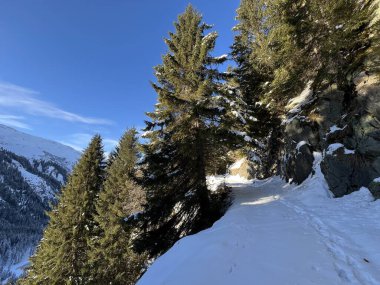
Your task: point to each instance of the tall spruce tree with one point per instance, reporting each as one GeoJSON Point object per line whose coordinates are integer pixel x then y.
{"type": "Point", "coordinates": [183, 133]}
{"type": "Point", "coordinates": [262, 51]}
{"type": "Point", "coordinates": [112, 257]}
{"type": "Point", "coordinates": [251, 76]}
{"type": "Point", "coordinates": [62, 256]}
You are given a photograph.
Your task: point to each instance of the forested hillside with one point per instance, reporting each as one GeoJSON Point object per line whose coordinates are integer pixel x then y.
{"type": "Point", "coordinates": [303, 83]}
{"type": "Point", "coordinates": [28, 183]}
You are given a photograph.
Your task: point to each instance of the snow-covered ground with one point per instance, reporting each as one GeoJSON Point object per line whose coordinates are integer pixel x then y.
{"type": "Point", "coordinates": [276, 233]}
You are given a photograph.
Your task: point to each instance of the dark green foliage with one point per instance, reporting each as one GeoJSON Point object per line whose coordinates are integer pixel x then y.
{"type": "Point", "coordinates": [282, 46]}
{"type": "Point", "coordinates": [251, 78]}
{"type": "Point", "coordinates": [335, 37]}
{"type": "Point", "coordinates": [184, 133]}
{"type": "Point", "coordinates": [290, 43]}
{"type": "Point", "coordinates": [62, 256]}
{"type": "Point", "coordinates": [112, 257]}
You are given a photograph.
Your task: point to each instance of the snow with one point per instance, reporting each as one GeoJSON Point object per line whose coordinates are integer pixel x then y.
{"type": "Point", "coordinates": [300, 144]}
{"type": "Point", "coordinates": [244, 135]}
{"type": "Point", "coordinates": [33, 147]}
{"type": "Point", "coordinates": [239, 116]}
{"type": "Point", "coordinates": [209, 36]}
{"type": "Point", "coordinates": [248, 138]}
{"type": "Point", "coordinates": [214, 181]}
{"type": "Point", "coordinates": [334, 129]}
{"type": "Point", "coordinates": [60, 178]}
{"type": "Point", "coordinates": [37, 183]}
{"type": "Point", "coordinates": [348, 151]}
{"type": "Point", "coordinates": [289, 120]}
{"type": "Point", "coordinates": [277, 233]}
{"type": "Point", "coordinates": [224, 56]}
{"type": "Point", "coordinates": [296, 104]}
{"type": "Point", "coordinates": [238, 164]}
{"type": "Point", "coordinates": [146, 134]}
{"type": "Point", "coordinates": [376, 180]}
{"type": "Point", "coordinates": [254, 158]}
{"type": "Point", "coordinates": [253, 119]}
{"type": "Point", "coordinates": [133, 216]}
{"type": "Point", "coordinates": [18, 269]}
{"type": "Point", "coordinates": [332, 148]}
{"type": "Point", "coordinates": [238, 133]}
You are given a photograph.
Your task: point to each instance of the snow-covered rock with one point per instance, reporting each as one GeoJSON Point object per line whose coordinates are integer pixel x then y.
{"type": "Point", "coordinates": [295, 104]}
{"type": "Point", "coordinates": [332, 148]}
{"type": "Point", "coordinates": [242, 168]}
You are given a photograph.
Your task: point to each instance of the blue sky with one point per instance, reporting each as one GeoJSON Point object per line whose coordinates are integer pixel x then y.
{"type": "Point", "coordinates": [70, 69]}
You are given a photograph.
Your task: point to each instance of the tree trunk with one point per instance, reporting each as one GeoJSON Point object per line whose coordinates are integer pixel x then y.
{"type": "Point", "coordinates": [202, 191]}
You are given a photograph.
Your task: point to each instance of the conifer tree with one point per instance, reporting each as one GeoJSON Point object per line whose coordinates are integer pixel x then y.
{"type": "Point", "coordinates": [252, 75]}
{"type": "Point", "coordinates": [290, 43]}
{"type": "Point", "coordinates": [112, 257]}
{"type": "Point", "coordinates": [183, 132]}
{"type": "Point", "coordinates": [282, 46]}
{"type": "Point", "coordinates": [265, 50]}
{"type": "Point", "coordinates": [62, 256]}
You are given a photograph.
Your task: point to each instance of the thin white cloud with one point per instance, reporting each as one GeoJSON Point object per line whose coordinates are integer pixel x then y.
{"type": "Point", "coordinates": [14, 121]}
{"type": "Point", "coordinates": [20, 98]}
{"type": "Point", "coordinates": [110, 143]}
{"type": "Point", "coordinates": [80, 141]}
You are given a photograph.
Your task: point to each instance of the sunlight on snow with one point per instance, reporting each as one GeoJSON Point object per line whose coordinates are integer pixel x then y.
{"type": "Point", "coordinates": [263, 200]}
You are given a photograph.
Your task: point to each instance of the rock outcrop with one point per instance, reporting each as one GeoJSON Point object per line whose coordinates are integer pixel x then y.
{"type": "Point", "coordinates": [243, 168]}
{"type": "Point", "coordinates": [347, 135]}
{"type": "Point", "coordinates": [357, 162]}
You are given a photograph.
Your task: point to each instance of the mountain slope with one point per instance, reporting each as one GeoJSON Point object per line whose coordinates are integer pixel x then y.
{"type": "Point", "coordinates": [32, 170]}
{"type": "Point", "coordinates": [275, 233]}
{"type": "Point", "coordinates": [35, 148]}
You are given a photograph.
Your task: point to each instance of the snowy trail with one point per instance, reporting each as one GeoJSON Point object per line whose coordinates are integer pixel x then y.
{"type": "Point", "coordinates": [275, 233]}
{"type": "Point", "coordinates": [350, 266]}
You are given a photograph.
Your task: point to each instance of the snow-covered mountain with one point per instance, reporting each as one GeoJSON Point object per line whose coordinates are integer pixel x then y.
{"type": "Point", "coordinates": [32, 170]}
{"type": "Point", "coordinates": [278, 233]}
{"type": "Point", "coordinates": [35, 148]}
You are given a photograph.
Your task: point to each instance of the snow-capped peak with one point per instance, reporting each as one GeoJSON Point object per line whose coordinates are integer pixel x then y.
{"type": "Point", "coordinates": [33, 147]}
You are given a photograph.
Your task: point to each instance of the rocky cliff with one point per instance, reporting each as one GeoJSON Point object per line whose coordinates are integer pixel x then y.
{"type": "Point", "coordinates": [348, 135]}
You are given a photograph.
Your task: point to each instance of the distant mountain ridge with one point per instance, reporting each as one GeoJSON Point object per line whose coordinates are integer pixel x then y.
{"type": "Point", "coordinates": [33, 147]}
{"type": "Point", "coordinates": [32, 171]}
